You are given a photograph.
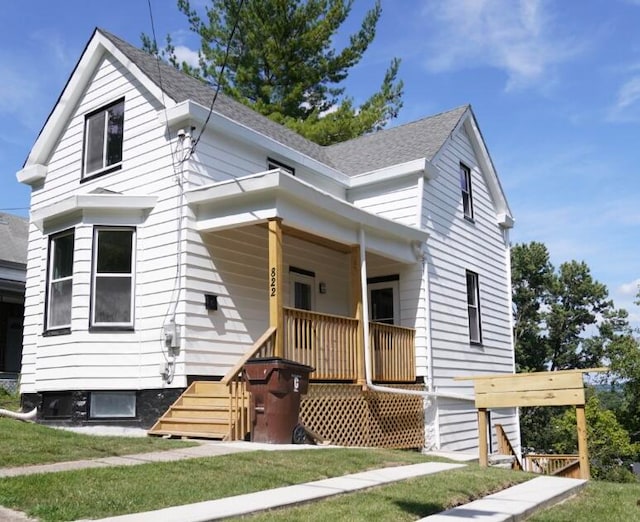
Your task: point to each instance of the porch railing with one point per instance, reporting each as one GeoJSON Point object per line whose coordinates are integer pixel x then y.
{"type": "Point", "coordinates": [329, 343]}
{"type": "Point", "coordinates": [549, 464]}
{"type": "Point", "coordinates": [326, 342]}
{"type": "Point", "coordinates": [393, 353]}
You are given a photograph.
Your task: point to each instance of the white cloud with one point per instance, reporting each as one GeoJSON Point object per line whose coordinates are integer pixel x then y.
{"type": "Point", "coordinates": [631, 288]}
{"type": "Point", "coordinates": [627, 104]}
{"type": "Point", "coordinates": [185, 54]}
{"type": "Point", "coordinates": [518, 37]}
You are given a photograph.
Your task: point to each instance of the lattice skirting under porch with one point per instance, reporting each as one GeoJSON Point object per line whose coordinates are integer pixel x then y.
{"type": "Point", "coordinates": [348, 416]}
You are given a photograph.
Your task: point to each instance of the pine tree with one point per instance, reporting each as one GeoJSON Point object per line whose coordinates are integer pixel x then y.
{"type": "Point", "coordinates": [281, 62]}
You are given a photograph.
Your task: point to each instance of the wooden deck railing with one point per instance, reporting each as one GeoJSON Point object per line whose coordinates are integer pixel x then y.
{"type": "Point", "coordinates": [548, 464]}
{"type": "Point", "coordinates": [505, 447]}
{"type": "Point", "coordinates": [326, 342]}
{"type": "Point", "coordinates": [393, 353]}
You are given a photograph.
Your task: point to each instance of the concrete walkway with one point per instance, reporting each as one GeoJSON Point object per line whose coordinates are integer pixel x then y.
{"type": "Point", "coordinates": [283, 497]}
{"type": "Point", "coordinates": [515, 503]}
{"type": "Point", "coordinates": [204, 449]}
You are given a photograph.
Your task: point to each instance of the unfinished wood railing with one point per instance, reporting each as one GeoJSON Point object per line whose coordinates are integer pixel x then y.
{"type": "Point", "coordinates": [239, 398]}
{"type": "Point", "coordinates": [393, 353]}
{"type": "Point", "coordinates": [326, 342]}
{"type": "Point", "coordinates": [549, 464]}
{"type": "Point", "coordinates": [505, 447]}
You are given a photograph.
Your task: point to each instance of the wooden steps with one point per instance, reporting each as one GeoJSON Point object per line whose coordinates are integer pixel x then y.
{"type": "Point", "coordinates": [205, 410]}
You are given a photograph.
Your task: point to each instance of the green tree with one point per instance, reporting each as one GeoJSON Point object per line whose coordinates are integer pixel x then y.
{"type": "Point", "coordinates": [564, 319]}
{"type": "Point", "coordinates": [282, 63]}
{"type": "Point", "coordinates": [610, 450]}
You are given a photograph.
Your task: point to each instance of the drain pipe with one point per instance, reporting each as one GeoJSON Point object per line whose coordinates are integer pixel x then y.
{"type": "Point", "coordinates": [29, 416]}
{"type": "Point", "coordinates": [367, 343]}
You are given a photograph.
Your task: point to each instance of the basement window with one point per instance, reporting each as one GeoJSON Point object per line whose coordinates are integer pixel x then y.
{"type": "Point", "coordinates": [112, 404]}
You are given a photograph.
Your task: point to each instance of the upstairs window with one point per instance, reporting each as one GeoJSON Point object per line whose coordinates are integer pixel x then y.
{"type": "Point", "coordinates": [465, 185]}
{"type": "Point", "coordinates": [60, 284]}
{"type": "Point", "coordinates": [473, 308]}
{"type": "Point", "coordinates": [113, 278]}
{"type": "Point", "coordinates": [273, 164]}
{"type": "Point", "coordinates": [103, 131]}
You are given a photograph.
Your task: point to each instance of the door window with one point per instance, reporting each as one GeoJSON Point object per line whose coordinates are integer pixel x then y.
{"type": "Point", "coordinates": [384, 304]}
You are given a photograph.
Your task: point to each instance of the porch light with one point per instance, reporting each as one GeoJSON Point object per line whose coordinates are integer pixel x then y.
{"type": "Point", "coordinates": [322, 287]}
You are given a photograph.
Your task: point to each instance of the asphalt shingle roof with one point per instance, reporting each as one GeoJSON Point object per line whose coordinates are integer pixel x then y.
{"type": "Point", "coordinates": [419, 139]}
{"type": "Point", "coordinates": [14, 234]}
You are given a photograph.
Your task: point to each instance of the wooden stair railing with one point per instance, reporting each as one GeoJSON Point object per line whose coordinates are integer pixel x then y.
{"type": "Point", "coordinates": [505, 447]}
{"type": "Point", "coordinates": [217, 410]}
{"type": "Point", "coordinates": [239, 399]}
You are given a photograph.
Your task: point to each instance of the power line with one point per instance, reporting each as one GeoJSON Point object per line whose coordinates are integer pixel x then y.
{"type": "Point", "coordinates": [220, 73]}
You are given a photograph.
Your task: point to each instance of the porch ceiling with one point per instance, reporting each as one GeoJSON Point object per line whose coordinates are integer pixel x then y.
{"type": "Point", "coordinates": [301, 206]}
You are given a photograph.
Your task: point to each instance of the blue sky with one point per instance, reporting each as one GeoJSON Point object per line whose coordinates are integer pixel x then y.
{"type": "Point", "coordinates": [555, 86]}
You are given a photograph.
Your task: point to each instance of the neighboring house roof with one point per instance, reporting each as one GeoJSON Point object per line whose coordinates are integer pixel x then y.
{"type": "Point", "coordinates": [14, 233]}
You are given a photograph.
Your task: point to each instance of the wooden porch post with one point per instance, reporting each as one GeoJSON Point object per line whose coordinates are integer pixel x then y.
{"type": "Point", "coordinates": [583, 452]}
{"type": "Point", "coordinates": [483, 417]}
{"type": "Point", "coordinates": [357, 311]}
{"type": "Point", "coordinates": [276, 314]}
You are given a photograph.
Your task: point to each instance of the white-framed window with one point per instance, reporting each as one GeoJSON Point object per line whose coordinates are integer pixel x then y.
{"type": "Point", "coordinates": [103, 138]}
{"type": "Point", "coordinates": [473, 307]}
{"type": "Point", "coordinates": [60, 280]}
{"type": "Point", "coordinates": [465, 186]}
{"type": "Point", "coordinates": [112, 290]}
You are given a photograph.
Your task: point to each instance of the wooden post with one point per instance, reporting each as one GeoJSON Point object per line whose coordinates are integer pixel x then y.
{"type": "Point", "coordinates": [357, 311]}
{"type": "Point", "coordinates": [276, 313]}
{"type": "Point", "coordinates": [583, 452]}
{"type": "Point", "coordinates": [483, 418]}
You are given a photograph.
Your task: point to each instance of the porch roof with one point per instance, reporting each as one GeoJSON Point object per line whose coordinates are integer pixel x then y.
{"type": "Point", "coordinates": [259, 197]}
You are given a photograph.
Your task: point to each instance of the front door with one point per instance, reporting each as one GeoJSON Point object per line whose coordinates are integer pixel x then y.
{"type": "Point", "coordinates": [302, 297]}
{"type": "Point", "coordinates": [384, 302]}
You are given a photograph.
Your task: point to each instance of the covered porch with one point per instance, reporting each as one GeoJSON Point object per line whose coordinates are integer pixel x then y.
{"type": "Point", "coordinates": [329, 329]}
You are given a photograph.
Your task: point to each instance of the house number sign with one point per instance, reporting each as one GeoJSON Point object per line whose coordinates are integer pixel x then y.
{"type": "Point", "coordinates": [272, 283]}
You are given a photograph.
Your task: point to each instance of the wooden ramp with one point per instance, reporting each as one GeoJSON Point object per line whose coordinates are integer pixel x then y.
{"type": "Point", "coordinates": [206, 409]}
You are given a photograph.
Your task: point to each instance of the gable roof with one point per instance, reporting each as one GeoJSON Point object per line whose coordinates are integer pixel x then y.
{"type": "Point", "coordinates": [14, 234]}
{"type": "Point", "coordinates": [419, 140]}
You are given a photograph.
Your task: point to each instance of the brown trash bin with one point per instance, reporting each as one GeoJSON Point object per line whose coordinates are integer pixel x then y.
{"type": "Point", "coordinates": [276, 385]}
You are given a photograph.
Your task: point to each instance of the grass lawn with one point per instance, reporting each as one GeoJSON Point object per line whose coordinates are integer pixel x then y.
{"type": "Point", "coordinates": [102, 492]}
{"type": "Point", "coordinates": [403, 501]}
{"type": "Point", "coordinates": [598, 502]}
{"type": "Point", "coordinates": [25, 443]}
{"type": "Point", "coordinates": [9, 401]}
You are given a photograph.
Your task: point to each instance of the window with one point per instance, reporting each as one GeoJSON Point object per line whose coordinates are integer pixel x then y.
{"type": "Point", "coordinates": [60, 284]}
{"type": "Point", "coordinates": [113, 282]}
{"type": "Point", "coordinates": [273, 164]}
{"type": "Point", "coordinates": [473, 307]}
{"type": "Point", "coordinates": [116, 404]}
{"type": "Point", "coordinates": [384, 304]}
{"type": "Point", "coordinates": [103, 132]}
{"type": "Point", "coordinates": [465, 185]}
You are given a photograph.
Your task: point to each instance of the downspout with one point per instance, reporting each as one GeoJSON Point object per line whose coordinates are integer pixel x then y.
{"type": "Point", "coordinates": [367, 343]}
{"type": "Point", "coordinates": [28, 416]}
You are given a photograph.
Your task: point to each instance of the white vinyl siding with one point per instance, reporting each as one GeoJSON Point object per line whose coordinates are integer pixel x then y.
{"type": "Point", "coordinates": [456, 246]}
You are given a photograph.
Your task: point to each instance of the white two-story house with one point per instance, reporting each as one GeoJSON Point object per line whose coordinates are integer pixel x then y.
{"type": "Point", "coordinates": [168, 239]}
